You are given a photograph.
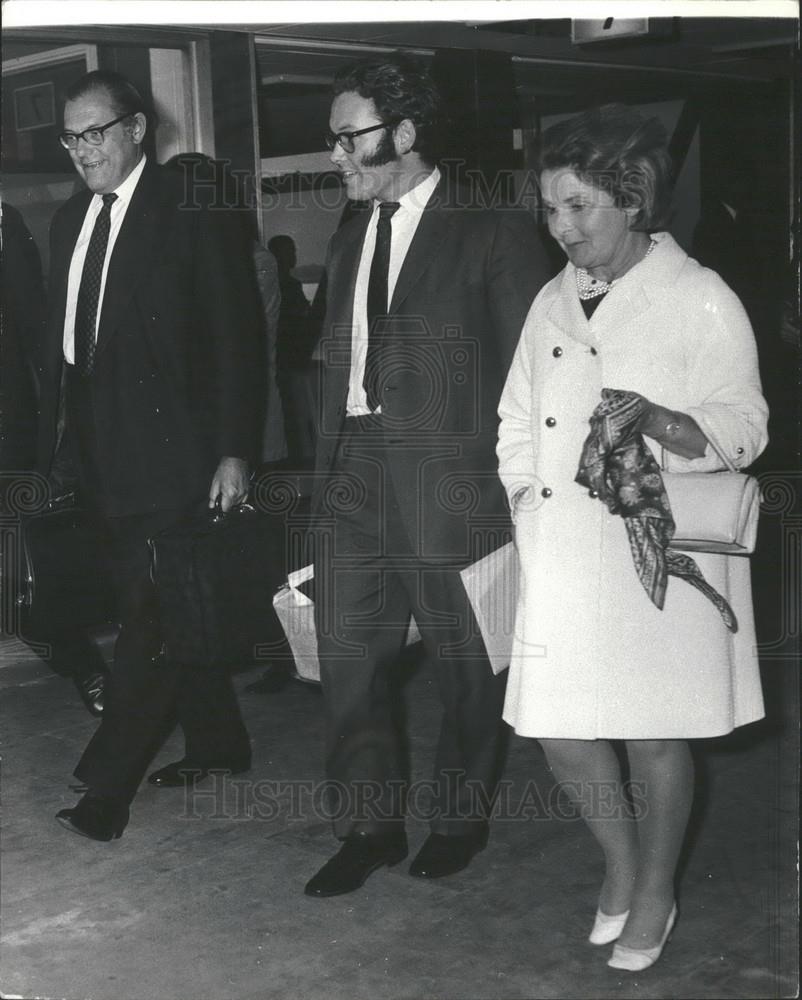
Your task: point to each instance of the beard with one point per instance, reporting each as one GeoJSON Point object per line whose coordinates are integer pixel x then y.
{"type": "Point", "coordinates": [384, 152]}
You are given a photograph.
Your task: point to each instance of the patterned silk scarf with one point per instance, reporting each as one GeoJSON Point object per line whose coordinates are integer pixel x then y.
{"type": "Point", "coordinates": [618, 465]}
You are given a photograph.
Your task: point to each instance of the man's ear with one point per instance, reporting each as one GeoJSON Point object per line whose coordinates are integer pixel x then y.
{"type": "Point", "coordinates": [138, 127]}
{"type": "Point", "coordinates": [405, 135]}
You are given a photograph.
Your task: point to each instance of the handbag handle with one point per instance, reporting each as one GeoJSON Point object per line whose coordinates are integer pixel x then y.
{"type": "Point", "coordinates": [720, 452]}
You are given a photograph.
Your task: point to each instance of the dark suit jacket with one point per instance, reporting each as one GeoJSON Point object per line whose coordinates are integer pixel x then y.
{"type": "Point", "coordinates": [179, 368]}
{"type": "Point", "coordinates": [457, 310]}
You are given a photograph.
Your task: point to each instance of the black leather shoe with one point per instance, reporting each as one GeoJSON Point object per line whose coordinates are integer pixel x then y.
{"type": "Point", "coordinates": [95, 817]}
{"type": "Point", "coordinates": [183, 773]}
{"type": "Point", "coordinates": [91, 689]}
{"type": "Point", "coordinates": [360, 856]}
{"type": "Point", "coordinates": [442, 855]}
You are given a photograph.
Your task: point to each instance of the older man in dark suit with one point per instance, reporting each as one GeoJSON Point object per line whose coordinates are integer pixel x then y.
{"type": "Point", "coordinates": [151, 370]}
{"type": "Point", "coordinates": [427, 294]}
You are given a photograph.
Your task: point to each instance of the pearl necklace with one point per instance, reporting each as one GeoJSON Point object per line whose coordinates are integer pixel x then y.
{"type": "Point", "coordinates": [592, 288]}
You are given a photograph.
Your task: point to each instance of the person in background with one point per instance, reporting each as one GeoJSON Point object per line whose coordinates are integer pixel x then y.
{"type": "Point", "coordinates": [594, 659]}
{"type": "Point", "coordinates": [296, 338]}
{"type": "Point", "coordinates": [426, 294]}
{"type": "Point", "coordinates": [274, 437]}
{"type": "Point", "coordinates": [724, 237]}
{"type": "Point", "coordinates": [23, 305]}
{"type": "Point", "coordinates": [153, 354]}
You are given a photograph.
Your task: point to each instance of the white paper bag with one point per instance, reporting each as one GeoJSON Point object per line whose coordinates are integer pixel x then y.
{"type": "Point", "coordinates": [296, 613]}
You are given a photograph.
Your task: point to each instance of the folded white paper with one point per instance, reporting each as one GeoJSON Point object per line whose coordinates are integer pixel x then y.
{"type": "Point", "coordinates": [492, 588]}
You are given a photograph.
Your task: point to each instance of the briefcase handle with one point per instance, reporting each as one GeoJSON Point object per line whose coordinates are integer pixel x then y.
{"type": "Point", "coordinates": [217, 514]}
{"type": "Point", "coordinates": [63, 501]}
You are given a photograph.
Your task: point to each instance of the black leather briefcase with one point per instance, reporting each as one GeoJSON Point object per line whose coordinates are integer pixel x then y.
{"type": "Point", "coordinates": [64, 574]}
{"type": "Point", "coordinates": [215, 575]}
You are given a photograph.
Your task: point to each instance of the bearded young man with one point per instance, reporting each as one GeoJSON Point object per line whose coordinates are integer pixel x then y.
{"type": "Point", "coordinates": [427, 295]}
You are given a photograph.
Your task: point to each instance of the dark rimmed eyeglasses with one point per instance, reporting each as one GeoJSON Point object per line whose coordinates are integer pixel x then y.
{"type": "Point", "coordinates": [346, 139]}
{"type": "Point", "coordinates": [94, 136]}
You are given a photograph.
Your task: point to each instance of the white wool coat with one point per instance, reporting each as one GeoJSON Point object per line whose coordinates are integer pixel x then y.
{"type": "Point", "coordinates": [592, 656]}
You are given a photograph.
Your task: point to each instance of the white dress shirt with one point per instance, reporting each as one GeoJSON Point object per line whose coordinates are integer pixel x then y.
{"type": "Point", "coordinates": [404, 223]}
{"type": "Point", "coordinates": [118, 209]}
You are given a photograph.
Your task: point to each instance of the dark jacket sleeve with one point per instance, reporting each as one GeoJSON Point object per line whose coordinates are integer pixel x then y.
{"type": "Point", "coordinates": [518, 269]}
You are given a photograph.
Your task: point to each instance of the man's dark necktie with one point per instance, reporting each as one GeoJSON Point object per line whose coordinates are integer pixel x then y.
{"type": "Point", "coordinates": [377, 300]}
{"type": "Point", "coordinates": [89, 290]}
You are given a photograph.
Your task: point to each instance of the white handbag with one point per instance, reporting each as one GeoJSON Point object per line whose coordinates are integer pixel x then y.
{"type": "Point", "coordinates": [714, 511]}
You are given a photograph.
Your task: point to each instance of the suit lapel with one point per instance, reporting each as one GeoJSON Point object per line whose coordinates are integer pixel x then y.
{"type": "Point", "coordinates": [340, 289]}
{"type": "Point", "coordinates": [61, 258]}
{"type": "Point", "coordinates": [346, 264]}
{"type": "Point", "coordinates": [133, 255]}
{"type": "Point", "coordinates": [426, 242]}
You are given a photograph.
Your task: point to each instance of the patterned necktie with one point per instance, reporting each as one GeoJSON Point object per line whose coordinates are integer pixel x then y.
{"type": "Point", "coordinates": [377, 300]}
{"type": "Point", "coordinates": [89, 290]}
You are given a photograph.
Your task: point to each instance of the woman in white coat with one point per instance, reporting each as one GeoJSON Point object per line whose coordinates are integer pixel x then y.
{"type": "Point", "coordinates": [593, 659]}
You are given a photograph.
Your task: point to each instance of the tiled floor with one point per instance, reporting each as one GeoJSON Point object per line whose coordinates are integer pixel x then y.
{"type": "Point", "coordinates": [202, 899]}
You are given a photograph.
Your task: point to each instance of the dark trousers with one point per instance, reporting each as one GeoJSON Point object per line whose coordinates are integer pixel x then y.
{"type": "Point", "coordinates": [147, 693]}
{"type": "Point", "coordinates": [368, 581]}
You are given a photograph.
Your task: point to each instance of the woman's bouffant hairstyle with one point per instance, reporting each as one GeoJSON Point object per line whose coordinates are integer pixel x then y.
{"type": "Point", "coordinates": [123, 95]}
{"type": "Point", "coordinates": [400, 87]}
{"type": "Point", "coordinates": [619, 151]}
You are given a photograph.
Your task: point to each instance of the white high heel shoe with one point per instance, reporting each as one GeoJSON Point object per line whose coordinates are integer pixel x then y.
{"type": "Point", "coordinates": [638, 959]}
{"type": "Point", "coordinates": [607, 928]}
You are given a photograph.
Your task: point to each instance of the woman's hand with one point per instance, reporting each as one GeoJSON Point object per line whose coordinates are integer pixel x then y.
{"type": "Point", "coordinates": [673, 430]}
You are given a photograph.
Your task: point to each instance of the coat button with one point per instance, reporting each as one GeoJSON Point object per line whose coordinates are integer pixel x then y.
{"type": "Point", "coordinates": [545, 492]}
{"type": "Point", "coordinates": [593, 494]}
{"type": "Point", "coordinates": [557, 352]}
{"type": "Point", "coordinates": [550, 422]}
{"type": "Point", "coordinates": [739, 451]}
{"type": "Point", "coordinates": [593, 351]}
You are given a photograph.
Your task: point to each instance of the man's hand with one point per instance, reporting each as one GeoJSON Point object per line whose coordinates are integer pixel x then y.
{"type": "Point", "coordinates": [230, 482]}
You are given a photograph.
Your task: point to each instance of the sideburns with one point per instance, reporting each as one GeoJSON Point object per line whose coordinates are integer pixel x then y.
{"type": "Point", "coordinates": [384, 152]}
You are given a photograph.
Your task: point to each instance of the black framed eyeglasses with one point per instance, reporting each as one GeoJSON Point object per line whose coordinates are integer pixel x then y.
{"type": "Point", "coordinates": [346, 139]}
{"type": "Point", "coordinates": [94, 136]}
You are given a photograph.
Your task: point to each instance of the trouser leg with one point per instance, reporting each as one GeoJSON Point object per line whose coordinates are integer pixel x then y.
{"type": "Point", "coordinates": [356, 660]}
{"type": "Point", "coordinates": [472, 738]}
{"type": "Point", "coordinates": [209, 714]}
{"type": "Point", "coordinates": [141, 695]}
{"type": "Point", "coordinates": [361, 618]}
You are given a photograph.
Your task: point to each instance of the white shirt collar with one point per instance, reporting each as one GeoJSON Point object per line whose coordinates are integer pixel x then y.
{"type": "Point", "coordinates": [416, 199]}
